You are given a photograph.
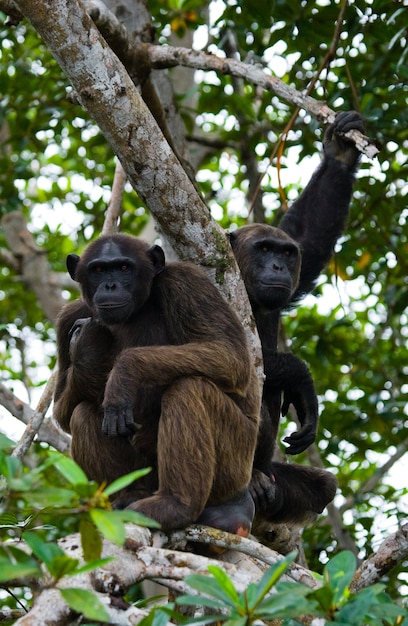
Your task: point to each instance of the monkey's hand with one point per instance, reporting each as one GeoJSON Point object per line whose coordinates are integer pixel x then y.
{"type": "Point", "coordinates": [302, 395]}
{"type": "Point", "coordinates": [118, 420]}
{"type": "Point", "coordinates": [300, 440]}
{"type": "Point", "coordinates": [262, 489]}
{"type": "Point", "coordinates": [337, 146]}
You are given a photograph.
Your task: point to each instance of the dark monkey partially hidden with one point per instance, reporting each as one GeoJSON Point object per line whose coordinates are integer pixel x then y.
{"type": "Point", "coordinates": [279, 266]}
{"type": "Point", "coordinates": [154, 370]}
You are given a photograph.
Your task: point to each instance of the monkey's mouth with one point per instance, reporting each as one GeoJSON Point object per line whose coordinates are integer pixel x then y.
{"type": "Point", "coordinates": [108, 306]}
{"type": "Point", "coordinates": [274, 285]}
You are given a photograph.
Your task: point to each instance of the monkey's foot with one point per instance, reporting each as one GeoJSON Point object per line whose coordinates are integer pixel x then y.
{"type": "Point", "coordinates": [234, 516]}
{"type": "Point", "coordinates": [165, 509]}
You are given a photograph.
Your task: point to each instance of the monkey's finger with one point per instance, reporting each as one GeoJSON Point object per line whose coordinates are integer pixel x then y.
{"type": "Point", "coordinates": [300, 434]}
{"type": "Point", "coordinates": [126, 425]}
{"type": "Point", "coordinates": [300, 440]}
{"type": "Point", "coordinates": [109, 423]}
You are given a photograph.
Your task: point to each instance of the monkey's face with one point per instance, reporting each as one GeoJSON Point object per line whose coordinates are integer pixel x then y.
{"type": "Point", "coordinates": [269, 261]}
{"type": "Point", "coordinates": [116, 278]}
{"type": "Point", "coordinates": [275, 272]}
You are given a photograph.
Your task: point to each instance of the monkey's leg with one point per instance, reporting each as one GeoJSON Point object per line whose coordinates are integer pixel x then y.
{"type": "Point", "coordinates": [103, 459]}
{"type": "Point", "coordinates": [205, 451]}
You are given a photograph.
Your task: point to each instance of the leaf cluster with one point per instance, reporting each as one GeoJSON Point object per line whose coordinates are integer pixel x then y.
{"type": "Point", "coordinates": [287, 601]}
{"type": "Point", "coordinates": [41, 504]}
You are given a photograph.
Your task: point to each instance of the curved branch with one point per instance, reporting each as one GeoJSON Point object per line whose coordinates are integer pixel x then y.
{"type": "Point", "coordinates": [390, 553]}
{"type": "Point", "coordinates": [169, 56]}
{"type": "Point", "coordinates": [115, 204]}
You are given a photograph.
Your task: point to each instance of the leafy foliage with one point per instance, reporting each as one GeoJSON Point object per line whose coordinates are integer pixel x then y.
{"type": "Point", "coordinates": [44, 503]}
{"type": "Point", "coordinates": [332, 600]}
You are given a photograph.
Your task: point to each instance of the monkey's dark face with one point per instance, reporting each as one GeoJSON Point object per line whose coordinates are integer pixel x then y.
{"type": "Point", "coordinates": [118, 285]}
{"type": "Point", "coordinates": [269, 261]}
{"type": "Point", "coordinates": [275, 272]}
{"type": "Point", "coordinates": [116, 278]}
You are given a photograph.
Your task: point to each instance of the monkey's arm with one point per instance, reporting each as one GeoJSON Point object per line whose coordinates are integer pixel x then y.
{"type": "Point", "coordinates": [207, 340]}
{"type": "Point", "coordinates": [287, 374]}
{"type": "Point", "coordinates": [318, 217]}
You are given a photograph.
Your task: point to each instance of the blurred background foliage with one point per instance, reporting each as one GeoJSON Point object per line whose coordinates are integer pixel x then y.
{"type": "Point", "coordinates": [57, 168]}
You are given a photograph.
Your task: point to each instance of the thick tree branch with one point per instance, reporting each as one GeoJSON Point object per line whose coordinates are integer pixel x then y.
{"type": "Point", "coordinates": [170, 56]}
{"type": "Point", "coordinates": [391, 552]}
{"type": "Point", "coordinates": [107, 92]}
{"type": "Point", "coordinates": [155, 557]}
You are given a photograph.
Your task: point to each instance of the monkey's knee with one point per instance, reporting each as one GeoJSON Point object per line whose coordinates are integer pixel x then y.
{"type": "Point", "coordinates": [301, 494]}
{"type": "Point", "coordinates": [234, 516]}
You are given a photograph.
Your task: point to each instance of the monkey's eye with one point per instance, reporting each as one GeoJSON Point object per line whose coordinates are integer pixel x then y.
{"type": "Point", "coordinates": [265, 248]}
{"type": "Point", "coordinates": [124, 267]}
{"type": "Point", "coordinates": [97, 269]}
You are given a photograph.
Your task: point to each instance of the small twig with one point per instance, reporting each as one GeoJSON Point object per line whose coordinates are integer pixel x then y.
{"type": "Point", "coordinates": [36, 419]}
{"type": "Point", "coordinates": [114, 210]}
{"type": "Point", "coordinates": [48, 433]}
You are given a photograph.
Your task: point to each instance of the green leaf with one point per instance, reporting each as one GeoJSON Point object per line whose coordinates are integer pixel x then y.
{"type": "Point", "coordinates": [44, 551]}
{"type": "Point", "coordinates": [94, 565]}
{"type": "Point", "coordinates": [70, 470]}
{"type": "Point", "coordinates": [209, 586]}
{"type": "Point", "coordinates": [86, 603]}
{"type": "Point", "coordinates": [200, 600]}
{"type": "Point", "coordinates": [225, 583]}
{"type": "Point", "coordinates": [134, 517]}
{"type": "Point", "coordinates": [324, 597]}
{"type": "Point", "coordinates": [339, 572]}
{"type": "Point", "coordinates": [256, 592]}
{"type": "Point", "coordinates": [289, 600]}
{"type": "Point", "coordinates": [91, 541]}
{"type": "Point", "coordinates": [110, 525]}
{"type": "Point", "coordinates": [51, 496]}
{"type": "Point", "coordinates": [160, 616]}
{"type": "Point", "coordinates": [126, 480]}
{"type": "Point", "coordinates": [9, 571]}
{"type": "Point", "coordinates": [8, 520]}
{"type": "Point", "coordinates": [6, 443]}
{"type": "Point", "coordinates": [61, 566]}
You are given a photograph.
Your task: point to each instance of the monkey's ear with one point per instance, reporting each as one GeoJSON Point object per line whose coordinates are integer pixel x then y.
{"type": "Point", "coordinates": [232, 237]}
{"type": "Point", "coordinates": [72, 262]}
{"type": "Point", "coordinates": [158, 259]}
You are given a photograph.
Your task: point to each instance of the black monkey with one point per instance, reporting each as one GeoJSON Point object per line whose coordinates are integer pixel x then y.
{"type": "Point", "coordinates": [279, 266]}
{"type": "Point", "coordinates": [154, 370]}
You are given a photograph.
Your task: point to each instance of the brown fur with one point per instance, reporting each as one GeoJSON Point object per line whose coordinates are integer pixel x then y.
{"type": "Point", "coordinates": [180, 361]}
